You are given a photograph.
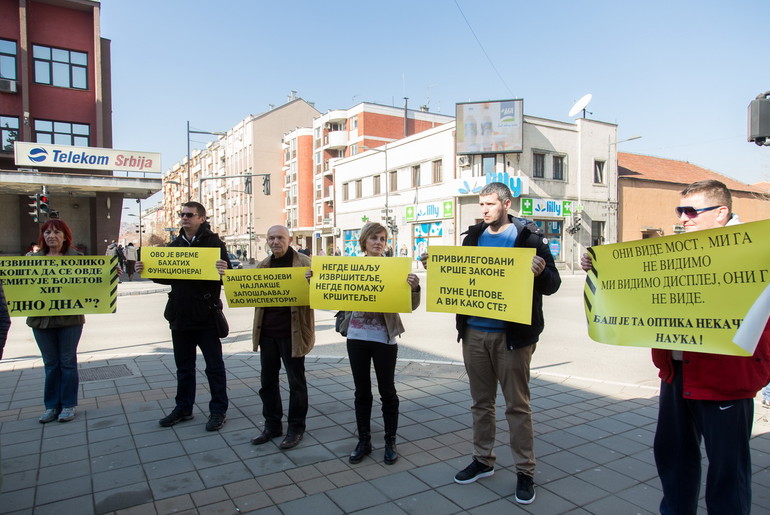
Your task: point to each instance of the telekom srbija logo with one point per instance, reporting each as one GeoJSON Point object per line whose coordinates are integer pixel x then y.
{"type": "Point", "coordinates": [38, 155]}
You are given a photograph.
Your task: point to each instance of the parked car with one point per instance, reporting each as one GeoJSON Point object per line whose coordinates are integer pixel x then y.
{"type": "Point", "coordinates": [235, 261]}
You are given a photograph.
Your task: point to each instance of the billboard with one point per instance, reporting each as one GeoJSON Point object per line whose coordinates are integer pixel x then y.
{"type": "Point", "coordinates": [84, 158]}
{"type": "Point", "coordinates": [493, 127]}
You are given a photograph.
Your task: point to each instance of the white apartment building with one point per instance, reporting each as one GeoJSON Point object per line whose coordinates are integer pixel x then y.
{"type": "Point", "coordinates": [217, 177]}
{"type": "Point", "coordinates": [565, 179]}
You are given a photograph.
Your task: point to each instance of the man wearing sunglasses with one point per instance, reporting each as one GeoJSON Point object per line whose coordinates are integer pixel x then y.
{"type": "Point", "coordinates": [189, 313]}
{"type": "Point", "coordinates": [707, 397]}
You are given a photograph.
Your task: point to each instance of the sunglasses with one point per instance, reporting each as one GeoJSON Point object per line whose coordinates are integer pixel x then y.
{"type": "Point", "coordinates": [186, 214]}
{"type": "Point", "coordinates": [691, 212]}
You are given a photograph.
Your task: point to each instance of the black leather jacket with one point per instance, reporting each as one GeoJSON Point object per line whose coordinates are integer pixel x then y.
{"type": "Point", "coordinates": [189, 301]}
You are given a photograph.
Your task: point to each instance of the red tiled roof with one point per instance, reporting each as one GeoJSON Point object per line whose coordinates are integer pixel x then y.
{"type": "Point", "coordinates": [649, 168]}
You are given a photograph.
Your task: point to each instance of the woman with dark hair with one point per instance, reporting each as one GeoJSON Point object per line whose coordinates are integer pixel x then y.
{"type": "Point", "coordinates": [58, 336]}
{"type": "Point", "coordinates": [372, 339]}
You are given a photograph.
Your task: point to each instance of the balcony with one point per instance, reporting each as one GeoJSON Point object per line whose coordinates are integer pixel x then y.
{"type": "Point", "coordinates": [337, 139]}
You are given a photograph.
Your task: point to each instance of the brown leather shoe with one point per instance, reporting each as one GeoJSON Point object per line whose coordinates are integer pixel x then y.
{"type": "Point", "coordinates": [265, 437]}
{"type": "Point", "coordinates": [291, 440]}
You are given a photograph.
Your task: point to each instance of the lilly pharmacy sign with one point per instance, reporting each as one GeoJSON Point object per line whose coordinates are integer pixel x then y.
{"type": "Point", "coordinates": [84, 158]}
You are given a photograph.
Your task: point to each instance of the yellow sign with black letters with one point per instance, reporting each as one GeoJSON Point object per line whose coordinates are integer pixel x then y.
{"type": "Point", "coordinates": [198, 263]}
{"type": "Point", "coordinates": [369, 284]}
{"type": "Point", "coordinates": [687, 292]}
{"type": "Point", "coordinates": [266, 287]}
{"type": "Point", "coordinates": [59, 285]}
{"type": "Point", "coordinates": [490, 282]}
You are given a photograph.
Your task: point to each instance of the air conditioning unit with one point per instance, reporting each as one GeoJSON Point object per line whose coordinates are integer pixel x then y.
{"type": "Point", "coordinates": [8, 86]}
{"type": "Point", "coordinates": [678, 228]}
{"type": "Point", "coordinates": [463, 160]}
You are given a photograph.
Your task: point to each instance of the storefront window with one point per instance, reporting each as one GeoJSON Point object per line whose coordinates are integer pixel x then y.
{"type": "Point", "coordinates": [422, 235]}
{"type": "Point", "coordinates": [552, 230]}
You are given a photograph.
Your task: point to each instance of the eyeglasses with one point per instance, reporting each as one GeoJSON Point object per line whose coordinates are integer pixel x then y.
{"type": "Point", "coordinates": [691, 212]}
{"type": "Point", "coordinates": [187, 214]}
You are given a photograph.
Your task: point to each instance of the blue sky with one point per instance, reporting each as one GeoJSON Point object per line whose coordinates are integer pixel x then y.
{"type": "Point", "coordinates": [678, 73]}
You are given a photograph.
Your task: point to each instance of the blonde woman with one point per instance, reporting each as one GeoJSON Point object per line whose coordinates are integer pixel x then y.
{"type": "Point", "coordinates": [372, 339]}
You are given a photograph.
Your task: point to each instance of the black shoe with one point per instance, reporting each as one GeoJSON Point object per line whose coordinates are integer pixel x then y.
{"type": "Point", "coordinates": [363, 448]}
{"type": "Point", "coordinates": [291, 440]}
{"type": "Point", "coordinates": [525, 489]}
{"type": "Point", "coordinates": [391, 453]}
{"type": "Point", "coordinates": [216, 421]}
{"type": "Point", "coordinates": [476, 470]}
{"type": "Point", "coordinates": [175, 417]}
{"type": "Point", "coordinates": [265, 437]}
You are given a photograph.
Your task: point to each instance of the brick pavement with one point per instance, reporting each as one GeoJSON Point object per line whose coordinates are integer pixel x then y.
{"type": "Point", "coordinates": [593, 442]}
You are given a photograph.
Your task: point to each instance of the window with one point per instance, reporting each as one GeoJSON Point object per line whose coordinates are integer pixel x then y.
{"type": "Point", "coordinates": [345, 191]}
{"type": "Point", "coordinates": [393, 178]}
{"type": "Point", "coordinates": [9, 132]}
{"type": "Point", "coordinates": [354, 123]}
{"type": "Point", "coordinates": [376, 187]}
{"type": "Point", "coordinates": [62, 133]}
{"type": "Point", "coordinates": [438, 172]}
{"type": "Point", "coordinates": [598, 172]}
{"type": "Point", "coordinates": [7, 59]}
{"type": "Point", "coordinates": [58, 67]}
{"type": "Point", "coordinates": [597, 233]}
{"type": "Point", "coordinates": [558, 168]}
{"type": "Point", "coordinates": [354, 149]}
{"type": "Point", "coordinates": [488, 165]}
{"type": "Point", "coordinates": [416, 176]}
{"type": "Point", "coordinates": [359, 189]}
{"type": "Point", "coordinates": [538, 165]}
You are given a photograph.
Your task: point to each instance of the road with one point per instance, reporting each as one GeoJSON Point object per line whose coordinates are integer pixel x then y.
{"type": "Point", "coordinates": [138, 327]}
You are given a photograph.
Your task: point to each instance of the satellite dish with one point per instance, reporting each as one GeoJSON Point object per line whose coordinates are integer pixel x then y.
{"type": "Point", "coordinates": [580, 105]}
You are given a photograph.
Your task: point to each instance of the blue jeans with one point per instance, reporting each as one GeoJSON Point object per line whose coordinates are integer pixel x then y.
{"type": "Point", "coordinates": [59, 348]}
{"type": "Point", "coordinates": [766, 393]}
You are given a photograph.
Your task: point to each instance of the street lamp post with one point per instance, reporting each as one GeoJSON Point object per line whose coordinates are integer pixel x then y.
{"type": "Point", "coordinates": [390, 223]}
{"type": "Point", "coordinates": [617, 182]}
{"type": "Point", "coordinates": [189, 170]}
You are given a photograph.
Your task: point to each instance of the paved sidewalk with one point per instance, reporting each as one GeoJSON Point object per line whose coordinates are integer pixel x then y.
{"type": "Point", "coordinates": [593, 441]}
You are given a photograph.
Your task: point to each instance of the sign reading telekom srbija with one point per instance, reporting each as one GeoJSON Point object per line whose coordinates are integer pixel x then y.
{"type": "Point", "coordinates": [86, 158]}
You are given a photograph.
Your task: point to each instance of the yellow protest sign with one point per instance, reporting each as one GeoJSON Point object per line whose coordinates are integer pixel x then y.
{"type": "Point", "coordinates": [197, 263]}
{"type": "Point", "coordinates": [372, 284]}
{"type": "Point", "coordinates": [491, 282]}
{"type": "Point", "coordinates": [59, 285]}
{"type": "Point", "coordinates": [266, 287]}
{"type": "Point", "coordinates": [688, 292]}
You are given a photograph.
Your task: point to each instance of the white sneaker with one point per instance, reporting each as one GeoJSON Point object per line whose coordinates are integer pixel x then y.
{"type": "Point", "coordinates": [765, 403]}
{"type": "Point", "coordinates": [48, 415]}
{"type": "Point", "coordinates": [67, 414]}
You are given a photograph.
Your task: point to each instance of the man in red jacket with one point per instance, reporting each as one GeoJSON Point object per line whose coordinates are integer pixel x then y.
{"type": "Point", "coordinates": [706, 396]}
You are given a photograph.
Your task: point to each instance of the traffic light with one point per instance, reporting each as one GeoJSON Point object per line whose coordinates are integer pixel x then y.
{"type": "Point", "coordinates": [266, 184]}
{"type": "Point", "coordinates": [34, 207]}
{"type": "Point", "coordinates": [247, 185]}
{"type": "Point", "coordinates": [42, 204]}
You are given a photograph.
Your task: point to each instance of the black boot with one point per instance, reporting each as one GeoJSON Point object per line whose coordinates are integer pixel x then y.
{"type": "Point", "coordinates": [391, 453]}
{"type": "Point", "coordinates": [363, 448]}
{"type": "Point", "coordinates": [390, 419]}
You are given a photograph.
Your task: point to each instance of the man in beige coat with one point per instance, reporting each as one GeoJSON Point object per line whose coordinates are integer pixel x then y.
{"type": "Point", "coordinates": [283, 334]}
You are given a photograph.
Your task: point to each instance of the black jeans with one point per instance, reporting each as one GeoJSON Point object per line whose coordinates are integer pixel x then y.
{"type": "Point", "coordinates": [362, 354]}
{"type": "Point", "coordinates": [725, 427]}
{"type": "Point", "coordinates": [272, 351]}
{"type": "Point", "coordinates": [185, 343]}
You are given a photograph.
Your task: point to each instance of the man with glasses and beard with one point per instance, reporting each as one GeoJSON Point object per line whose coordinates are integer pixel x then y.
{"type": "Point", "coordinates": [190, 317]}
{"type": "Point", "coordinates": [706, 396]}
